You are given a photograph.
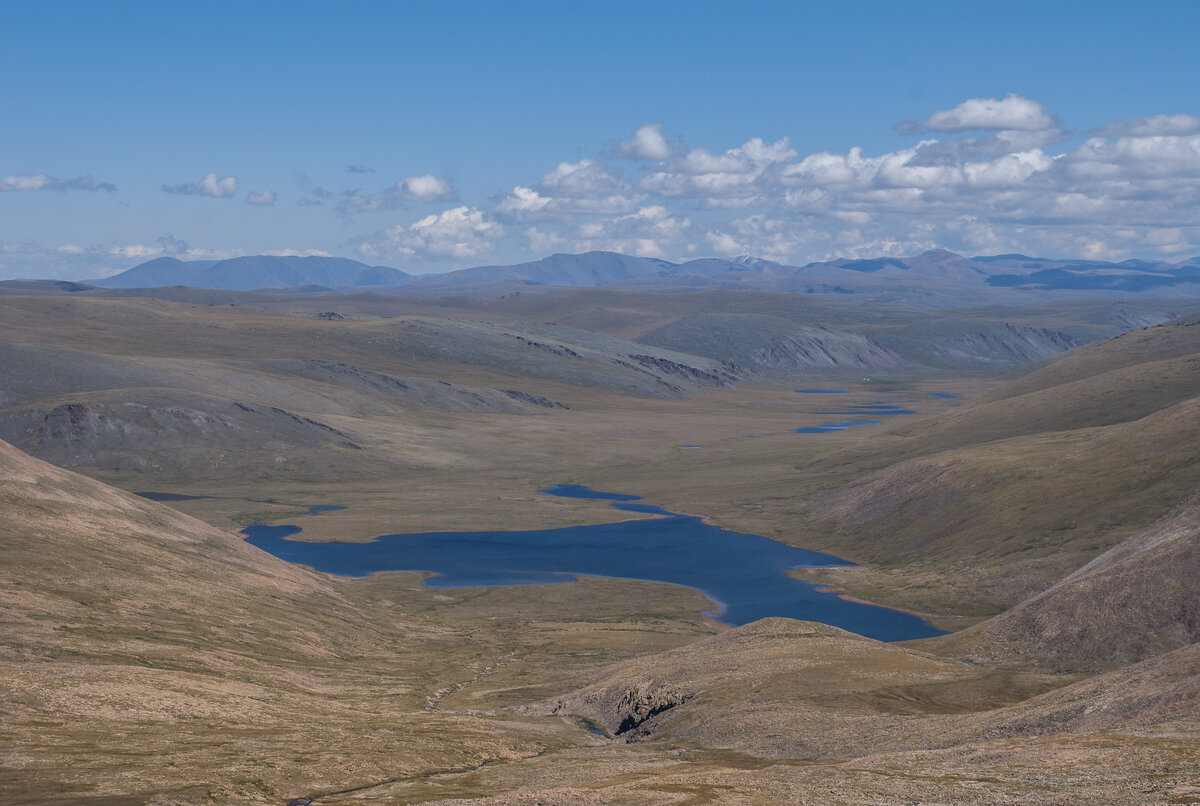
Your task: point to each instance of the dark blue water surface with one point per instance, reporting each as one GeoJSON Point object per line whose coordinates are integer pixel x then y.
{"type": "Point", "coordinates": [946, 395]}
{"type": "Point", "coordinates": [744, 573]}
{"type": "Point", "coordinates": [877, 411]}
{"type": "Point", "coordinates": [580, 491]}
{"type": "Point", "coordinates": [829, 428]}
{"type": "Point", "coordinates": [822, 391]}
{"type": "Point", "coordinates": [167, 497]}
{"type": "Point", "coordinates": [317, 509]}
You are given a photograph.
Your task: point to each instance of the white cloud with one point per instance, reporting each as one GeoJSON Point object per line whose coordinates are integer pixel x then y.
{"type": "Point", "coordinates": [460, 232]}
{"type": "Point", "coordinates": [264, 199]}
{"type": "Point", "coordinates": [586, 179]}
{"type": "Point", "coordinates": [1155, 126]}
{"type": "Point", "coordinates": [997, 144]}
{"type": "Point", "coordinates": [650, 231]}
{"type": "Point", "coordinates": [647, 143]}
{"type": "Point", "coordinates": [136, 251]}
{"type": "Point", "coordinates": [19, 183]}
{"type": "Point", "coordinates": [44, 182]}
{"type": "Point", "coordinates": [210, 185]}
{"type": "Point", "coordinates": [523, 202]}
{"type": "Point", "coordinates": [741, 173]}
{"type": "Point", "coordinates": [425, 188]}
{"type": "Point", "coordinates": [297, 253]}
{"type": "Point", "coordinates": [572, 188]}
{"type": "Point", "coordinates": [770, 237]}
{"type": "Point", "coordinates": [1129, 158]}
{"type": "Point", "coordinates": [1010, 112]}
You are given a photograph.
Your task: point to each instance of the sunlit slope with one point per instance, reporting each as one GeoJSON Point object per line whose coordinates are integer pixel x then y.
{"type": "Point", "coordinates": [146, 653]}
{"type": "Point", "coordinates": [1008, 518]}
{"type": "Point", "coordinates": [1113, 381]}
{"type": "Point", "coordinates": [1137, 600]}
{"type": "Point", "coordinates": [1127, 737]}
{"type": "Point", "coordinates": [772, 688]}
{"type": "Point", "coordinates": [1004, 497]}
{"type": "Point", "coordinates": [786, 689]}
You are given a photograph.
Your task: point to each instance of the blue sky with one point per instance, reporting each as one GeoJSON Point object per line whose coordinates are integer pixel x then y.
{"type": "Point", "coordinates": [437, 136]}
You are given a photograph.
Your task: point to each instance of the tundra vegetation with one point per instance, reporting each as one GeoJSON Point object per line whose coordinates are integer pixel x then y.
{"type": "Point", "coordinates": [1040, 504]}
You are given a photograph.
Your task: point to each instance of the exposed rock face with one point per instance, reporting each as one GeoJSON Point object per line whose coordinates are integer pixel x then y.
{"type": "Point", "coordinates": [172, 432]}
{"type": "Point", "coordinates": [622, 711]}
{"type": "Point", "coordinates": [1005, 344]}
{"type": "Point", "coordinates": [822, 348]}
{"type": "Point", "coordinates": [724, 377]}
{"type": "Point", "coordinates": [536, 400]}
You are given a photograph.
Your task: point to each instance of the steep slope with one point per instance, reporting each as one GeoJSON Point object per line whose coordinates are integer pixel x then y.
{"type": "Point", "coordinates": [1112, 381]}
{"type": "Point", "coordinates": [1136, 600]}
{"type": "Point", "coordinates": [1001, 498]}
{"type": "Point", "coordinates": [1159, 695]}
{"type": "Point", "coordinates": [772, 343]}
{"type": "Point", "coordinates": [1001, 521]}
{"type": "Point", "coordinates": [147, 655]}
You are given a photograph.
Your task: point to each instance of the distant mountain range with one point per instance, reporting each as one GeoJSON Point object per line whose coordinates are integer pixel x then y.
{"type": "Point", "coordinates": [921, 279]}
{"type": "Point", "coordinates": [257, 271]}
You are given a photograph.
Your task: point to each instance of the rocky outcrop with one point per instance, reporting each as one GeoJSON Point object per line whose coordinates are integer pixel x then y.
{"type": "Point", "coordinates": [822, 348]}
{"type": "Point", "coordinates": [624, 711]}
{"type": "Point", "coordinates": [724, 377]}
{"type": "Point", "coordinates": [535, 400]}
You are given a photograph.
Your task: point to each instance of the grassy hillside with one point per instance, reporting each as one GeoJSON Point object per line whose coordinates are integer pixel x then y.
{"type": "Point", "coordinates": [1137, 600]}
{"type": "Point", "coordinates": [148, 657]}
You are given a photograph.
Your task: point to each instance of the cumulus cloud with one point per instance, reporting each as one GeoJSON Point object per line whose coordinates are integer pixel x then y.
{"type": "Point", "coordinates": [997, 144]}
{"type": "Point", "coordinates": [45, 182]}
{"type": "Point", "coordinates": [572, 188]}
{"type": "Point", "coordinates": [20, 183]}
{"type": "Point", "coordinates": [210, 185]}
{"type": "Point", "coordinates": [170, 245]}
{"type": "Point", "coordinates": [733, 178]}
{"type": "Point", "coordinates": [264, 199]}
{"type": "Point", "coordinates": [460, 232]}
{"type": "Point", "coordinates": [1155, 126]}
{"type": "Point", "coordinates": [297, 253]}
{"type": "Point", "coordinates": [650, 231]}
{"type": "Point", "coordinates": [426, 188]}
{"type": "Point", "coordinates": [770, 237]}
{"type": "Point", "coordinates": [1010, 112]}
{"type": "Point", "coordinates": [136, 251]}
{"type": "Point", "coordinates": [647, 143]}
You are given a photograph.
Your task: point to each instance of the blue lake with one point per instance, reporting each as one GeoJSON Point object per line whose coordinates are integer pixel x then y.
{"type": "Point", "coordinates": [317, 509]}
{"type": "Point", "coordinates": [822, 391]}
{"type": "Point", "coordinates": [829, 428]}
{"type": "Point", "coordinates": [743, 573]}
